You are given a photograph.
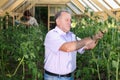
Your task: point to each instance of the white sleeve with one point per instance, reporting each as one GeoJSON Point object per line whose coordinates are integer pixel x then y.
{"type": "Point", "coordinates": [81, 50]}
{"type": "Point", "coordinates": [53, 41]}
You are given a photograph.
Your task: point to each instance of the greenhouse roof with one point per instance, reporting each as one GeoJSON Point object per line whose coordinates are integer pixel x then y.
{"type": "Point", "coordinates": [77, 6]}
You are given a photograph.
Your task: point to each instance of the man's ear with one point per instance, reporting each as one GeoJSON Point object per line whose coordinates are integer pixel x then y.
{"type": "Point", "coordinates": [57, 21]}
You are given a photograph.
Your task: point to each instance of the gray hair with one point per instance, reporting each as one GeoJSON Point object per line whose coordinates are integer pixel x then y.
{"type": "Point", "coordinates": [59, 13]}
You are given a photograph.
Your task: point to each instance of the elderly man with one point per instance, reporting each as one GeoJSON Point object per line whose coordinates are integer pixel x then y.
{"type": "Point", "coordinates": [61, 48]}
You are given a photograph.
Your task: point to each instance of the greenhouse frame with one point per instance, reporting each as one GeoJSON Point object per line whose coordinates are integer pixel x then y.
{"type": "Point", "coordinates": [22, 48]}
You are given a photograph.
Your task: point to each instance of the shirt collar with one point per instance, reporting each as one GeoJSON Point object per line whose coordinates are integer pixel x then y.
{"type": "Point", "coordinates": [57, 29]}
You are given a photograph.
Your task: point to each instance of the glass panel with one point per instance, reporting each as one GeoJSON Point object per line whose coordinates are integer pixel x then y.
{"type": "Point", "coordinates": [90, 5]}
{"type": "Point", "coordinates": [52, 10]}
{"type": "Point", "coordinates": [112, 4]}
{"type": "Point", "coordinates": [103, 3]}
{"type": "Point", "coordinates": [70, 10]}
{"type": "Point", "coordinates": [74, 8]}
{"type": "Point", "coordinates": [82, 3]}
{"type": "Point", "coordinates": [96, 6]}
{"type": "Point", "coordinates": [118, 1]}
{"type": "Point", "coordinates": [52, 25]}
{"type": "Point", "coordinates": [51, 18]}
{"type": "Point", "coordinates": [59, 8]}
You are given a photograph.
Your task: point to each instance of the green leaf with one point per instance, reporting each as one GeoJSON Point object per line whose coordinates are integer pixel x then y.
{"type": "Point", "coordinates": [114, 64]}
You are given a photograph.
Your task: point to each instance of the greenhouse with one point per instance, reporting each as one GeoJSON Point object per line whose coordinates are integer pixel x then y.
{"type": "Point", "coordinates": [87, 49]}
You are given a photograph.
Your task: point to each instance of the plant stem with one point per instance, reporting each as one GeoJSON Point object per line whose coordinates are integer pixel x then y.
{"type": "Point", "coordinates": [117, 68]}
{"type": "Point", "coordinates": [97, 65]}
{"type": "Point", "coordinates": [23, 71]}
{"type": "Point", "coordinates": [98, 71]}
{"type": "Point", "coordinates": [18, 66]}
{"type": "Point", "coordinates": [108, 69]}
{"type": "Point", "coordinates": [118, 57]}
{"type": "Point", "coordinates": [2, 65]}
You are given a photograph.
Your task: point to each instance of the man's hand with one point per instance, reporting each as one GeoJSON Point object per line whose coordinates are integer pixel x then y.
{"type": "Point", "coordinates": [94, 40]}
{"type": "Point", "coordinates": [90, 45]}
{"type": "Point", "coordinates": [99, 35]}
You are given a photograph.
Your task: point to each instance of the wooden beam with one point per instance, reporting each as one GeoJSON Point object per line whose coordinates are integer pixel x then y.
{"type": "Point", "coordinates": [118, 15]}
{"type": "Point", "coordinates": [14, 5]}
{"type": "Point", "coordinates": [104, 8]}
{"type": "Point", "coordinates": [68, 4]}
{"type": "Point", "coordinates": [52, 1]}
{"type": "Point", "coordinates": [115, 9]}
{"type": "Point", "coordinates": [101, 15]}
{"type": "Point", "coordinates": [117, 2]}
{"type": "Point", "coordinates": [48, 17]}
{"type": "Point", "coordinates": [79, 5]}
{"type": "Point", "coordinates": [93, 5]}
{"type": "Point", "coordinates": [3, 2]}
{"type": "Point", "coordinates": [107, 4]}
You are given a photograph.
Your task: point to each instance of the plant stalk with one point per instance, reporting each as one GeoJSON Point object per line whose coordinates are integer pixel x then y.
{"type": "Point", "coordinates": [18, 66]}
{"type": "Point", "coordinates": [117, 68]}
{"type": "Point", "coordinates": [98, 71]}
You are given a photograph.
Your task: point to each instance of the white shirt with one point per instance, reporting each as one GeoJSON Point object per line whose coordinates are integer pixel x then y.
{"type": "Point", "coordinates": [32, 21]}
{"type": "Point", "coordinates": [57, 61]}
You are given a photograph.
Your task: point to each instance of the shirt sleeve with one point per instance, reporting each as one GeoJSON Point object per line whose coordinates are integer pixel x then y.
{"type": "Point", "coordinates": [33, 21]}
{"type": "Point", "coordinates": [81, 50]}
{"type": "Point", "coordinates": [53, 41]}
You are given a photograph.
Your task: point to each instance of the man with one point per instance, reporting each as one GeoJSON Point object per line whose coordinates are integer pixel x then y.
{"type": "Point", "coordinates": [31, 21]}
{"type": "Point", "coordinates": [27, 19]}
{"type": "Point", "coordinates": [61, 47]}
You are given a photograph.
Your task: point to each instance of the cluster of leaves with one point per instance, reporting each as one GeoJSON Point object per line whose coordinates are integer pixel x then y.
{"type": "Point", "coordinates": [22, 52]}
{"type": "Point", "coordinates": [103, 62]}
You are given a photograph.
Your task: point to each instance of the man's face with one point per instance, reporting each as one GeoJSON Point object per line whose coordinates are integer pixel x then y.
{"type": "Point", "coordinates": [64, 21]}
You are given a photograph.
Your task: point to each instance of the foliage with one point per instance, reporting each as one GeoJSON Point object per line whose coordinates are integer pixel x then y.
{"type": "Point", "coordinates": [22, 52]}
{"type": "Point", "coordinates": [101, 63]}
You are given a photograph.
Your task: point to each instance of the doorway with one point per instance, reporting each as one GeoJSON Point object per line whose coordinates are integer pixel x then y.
{"type": "Point", "coordinates": [41, 14]}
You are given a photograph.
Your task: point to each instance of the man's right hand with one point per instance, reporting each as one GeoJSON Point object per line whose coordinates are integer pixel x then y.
{"type": "Point", "coordinates": [90, 45]}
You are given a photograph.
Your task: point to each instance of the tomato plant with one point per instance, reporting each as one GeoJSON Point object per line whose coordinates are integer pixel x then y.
{"type": "Point", "coordinates": [22, 52]}
{"type": "Point", "coordinates": [101, 63]}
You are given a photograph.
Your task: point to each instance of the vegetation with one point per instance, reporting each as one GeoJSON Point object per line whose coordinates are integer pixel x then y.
{"type": "Point", "coordinates": [22, 51]}
{"type": "Point", "coordinates": [103, 62]}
